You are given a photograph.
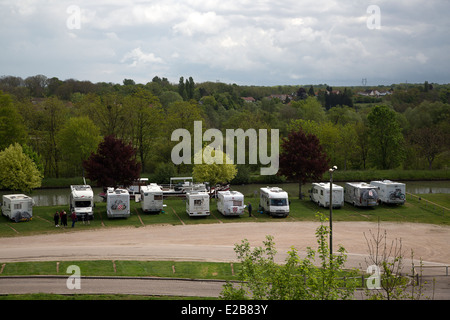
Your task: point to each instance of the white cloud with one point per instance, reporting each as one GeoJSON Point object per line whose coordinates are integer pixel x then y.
{"type": "Point", "coordinates": [198, 22]}
{"type": "Point", "coordinates": [137, 56]}
{"type": "Point", "coordinates": [249, 41]}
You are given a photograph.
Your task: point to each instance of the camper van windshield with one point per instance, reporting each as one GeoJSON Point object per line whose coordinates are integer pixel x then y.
{"type": "Point", "coordinates": [278, 202]}
{"type": "Point", "coordinates": [82, 204]}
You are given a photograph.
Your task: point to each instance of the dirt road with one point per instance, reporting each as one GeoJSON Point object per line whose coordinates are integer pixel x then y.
{"type": "Point", "coordinates": [215, 242]}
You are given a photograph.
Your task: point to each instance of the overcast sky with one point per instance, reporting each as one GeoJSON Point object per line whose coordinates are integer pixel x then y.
{"type": "Point", "coordinates": [254, 42]}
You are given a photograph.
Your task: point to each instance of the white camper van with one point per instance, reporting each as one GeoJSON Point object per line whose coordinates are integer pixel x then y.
{"type": "Point", "coordinates": [82, 201]}
{"type": "Point", "coordinates": [361, 194]}
{"type": "Point", "coordinates": [274, 201]}
{"type": "Point", "coordinates": [152, 198]}
{"type": "Point", "coordinates": [230, 203]}
{"type": "Point", "coordinates": [17, 207]}
{"type": "Point", "coordinates": [197, 204]}
{"type": "Point", "coordinates": [117, 203]}
{"type": "Point", "coordinates": [320, 194]}
{"type": "Point", "coordinates": [390, 191]}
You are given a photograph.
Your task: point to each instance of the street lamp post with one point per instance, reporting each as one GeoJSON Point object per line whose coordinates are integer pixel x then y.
{"type": "Point", "coordinates": [331, 210]}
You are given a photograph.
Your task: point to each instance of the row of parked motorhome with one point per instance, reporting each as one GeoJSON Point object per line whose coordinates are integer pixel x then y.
{"type": "Point", "coordinates": [359, 194]}
{"type": "Point", "coordinates": [272, 200]}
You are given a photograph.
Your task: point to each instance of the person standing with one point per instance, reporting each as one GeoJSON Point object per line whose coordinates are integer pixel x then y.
{"type": "Point", "coordinates": [249, 209]}
{"type": "Point", "coordinates": [56, 219]}
{"type": "Point", "coordinates": [64, 218]}
{"type": "Point", "coordinates": [73, 216]}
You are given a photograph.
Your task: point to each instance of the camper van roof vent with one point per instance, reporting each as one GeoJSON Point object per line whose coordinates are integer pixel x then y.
{"type": "Point", "coordinates": [275, 189]}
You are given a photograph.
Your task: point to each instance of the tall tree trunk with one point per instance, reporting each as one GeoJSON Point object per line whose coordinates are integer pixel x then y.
{"type": "Point", "coordinates": [300, 196]}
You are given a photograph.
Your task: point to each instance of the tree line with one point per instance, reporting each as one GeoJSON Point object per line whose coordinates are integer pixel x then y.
{"type": "Point", "coordinates": [62, 122]}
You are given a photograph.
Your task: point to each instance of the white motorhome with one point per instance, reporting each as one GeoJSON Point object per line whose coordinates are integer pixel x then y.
{"type": "Point", "coordinates": [320, 194]}
{"type": "Point", "coordinates": [197, 204]}
{"type": "Point", "coordinates": [152, 198]}
{"type": "Point", "coordinates": [274, 201]}
{"type": "Point", "coordinates": [361, 194]}
{"type": "Point", "coordinates": [82, 201]}
{"type": "Point", "coordinates": [17, 207]}
{"type": "Point", "coordinates": [390, 192]}
{"type": "Point", "coordinates": [117, 203]}
{"type": "Point", "coordinates": [230, 203]}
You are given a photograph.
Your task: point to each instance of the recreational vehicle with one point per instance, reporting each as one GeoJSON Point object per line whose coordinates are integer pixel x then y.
{"type": "Point", "coordinates": [185, 185]}
{"type": "Point", "coordinates": [361, 194]}
{"type": "Point", "coordinates": [230, 203]}
{"type": "Point", "coordinates": [117, 203]}
{"type": "Point", "coordinates": [82, 201]}
{"type": "Point", "coordinates": [390, 191]}
{"type": "Point", "coordinates": [135, 188]}
{"type": "Point", "coordinates": [17, 207]}
{"type": "Point", "coordinates": [274, 201]}
{"type": "Point", "coordinates": [197, 203]}
{"type": "Point", "coordinates": [152, 198]}
{"type": "Point", "coordinates": [320, 194]}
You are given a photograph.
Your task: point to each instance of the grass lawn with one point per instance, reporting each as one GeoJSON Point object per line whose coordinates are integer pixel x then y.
{"type": "Point", "coordinates": [415, 210]}
{"type": "Point", "coordinates": [434, 211]}
{"type": "Point", "coordinates": [163, 269]}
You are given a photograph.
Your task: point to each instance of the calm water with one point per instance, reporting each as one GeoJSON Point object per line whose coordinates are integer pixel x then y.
{"type": "Point", "coordinates": [60, 197]}
{"type": "Point", "coordinates": [416, 187]}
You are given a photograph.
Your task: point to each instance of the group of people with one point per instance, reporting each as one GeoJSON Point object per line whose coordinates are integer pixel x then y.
{"type": "Point", "coordinates": [62, 215]}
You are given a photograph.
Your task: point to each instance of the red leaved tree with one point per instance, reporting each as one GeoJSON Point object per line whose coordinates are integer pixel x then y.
{"type": "Point", "coordinates": [114, 164]}
{"type": "Point", "coordinates": [302, 158]}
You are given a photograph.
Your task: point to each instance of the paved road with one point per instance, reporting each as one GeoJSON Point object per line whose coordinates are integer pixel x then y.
{"type": "Point", "coordinates": [212, 242]}
{"type": "Point", "coordinates": [139, 286]}
{"type": "Point", "coordinates": [438, 290]}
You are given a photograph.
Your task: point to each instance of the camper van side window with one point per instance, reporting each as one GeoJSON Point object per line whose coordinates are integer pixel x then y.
{"type": "Point", "coordinates": [321, 192]}
{"type": "Point", "coordinates": [157, 197]}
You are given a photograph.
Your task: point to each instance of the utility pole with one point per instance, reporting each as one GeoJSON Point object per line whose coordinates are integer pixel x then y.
{"type": "Point", "coordinates": [334, 168]}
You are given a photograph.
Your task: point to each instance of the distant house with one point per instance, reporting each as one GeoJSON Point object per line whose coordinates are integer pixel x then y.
{"type": "Point", "coordinates": [373, 93]}
{"type": "Point", "coordinates": [282, 97]}
{"type": "Point", "coordinates": [249, 99]}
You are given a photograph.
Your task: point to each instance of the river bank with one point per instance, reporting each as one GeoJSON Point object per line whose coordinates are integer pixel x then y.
{"type": "Point", "coordinates": [338, 176]}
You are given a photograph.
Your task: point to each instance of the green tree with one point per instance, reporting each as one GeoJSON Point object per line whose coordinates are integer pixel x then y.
{"type": "Point", "coordinates": [145, 118]}
{"type": "Point", "coordinates": [362, 142]}
{"type": "Point", "coordinates": [386, 138]}
{"type": "Point", "coordinates": [310, 109]}
{"type": "Point", "coordinates": [182, 88]}
{"type": "Point", "coordinates": [107, 111]}
{"type": "Point", "coordinates": [76, 141]}
{"type": "Point", "coordinates": [347, 144]}
{"type": "Point", "coordinates": [53, 118]}
{"type": "Point", "coordinates": [213, 166]}
{"type": "Point", "coordinates": [430, 142]}
{"type": "Point", "coordinates": [260, 278]}
{"type": "Point", "coordinates": [18, 171]}
{"type": "Point", "coordinates": [12, 128]}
